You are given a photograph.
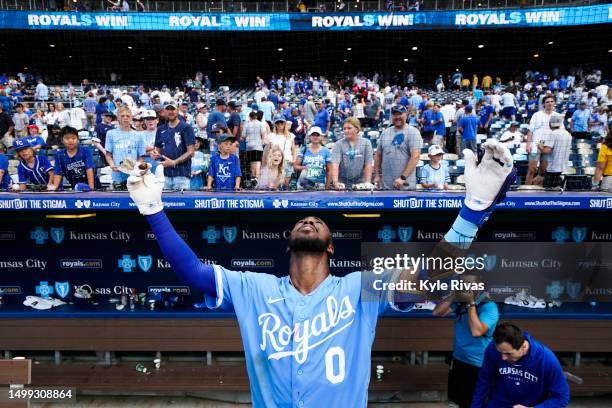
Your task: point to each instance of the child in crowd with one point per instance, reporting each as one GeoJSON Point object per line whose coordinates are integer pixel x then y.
{"type": "Point", "coordinates": [272, 173]}
{"type": "Point", "coordinates": [224, 171]}
{"type": "Point", "coordinates": [32, 168]}
{"type": "Point", "coordinates": [197, 165]}
{"type": "Point", "coordinates": [313, 161]}
{"type": "Point", "coordinates": [413, 117]}
{"type": "Point", "coordinates": [435, 174]}
{"type": "Point", "coordinates": [34, 138]}
{"type": "Point", "coordinates": [75, 162]}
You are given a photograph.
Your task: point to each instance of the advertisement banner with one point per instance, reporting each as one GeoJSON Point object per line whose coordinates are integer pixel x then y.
{"type": "Point", "coordinates": [423, 20]}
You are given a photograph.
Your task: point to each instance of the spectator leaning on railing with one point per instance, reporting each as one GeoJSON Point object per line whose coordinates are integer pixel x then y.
{"type": "Point", "coordinates": [351, 157]}
{"type": "Point", "coordinates": [121, 144]}
{"type": "Point", "coordinates": [75, 163]}
{"type": "Point", "coordinates": [33, 168]}
{"type": "Point", "coordinates": [398, 153]}
{"type": "Point", "coordinates": [313, 162]}
{"type": "Point", "coordinates": [175, 145]}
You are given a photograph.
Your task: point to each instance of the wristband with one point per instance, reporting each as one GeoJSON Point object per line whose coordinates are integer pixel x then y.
{"type": "Point", "coordinates": [462, 233]}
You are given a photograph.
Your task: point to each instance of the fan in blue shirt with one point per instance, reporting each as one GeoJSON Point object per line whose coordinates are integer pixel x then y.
{"type": "Point", "coordinates": [32, 168]}
{"type": "Point", "coordinates": [74, 162]}
{"type": "Point", "coordinates": [486, 115]}
{"type": "Point", "coordinates": [174, 140]}
{"type": "Point", "coordinates": [468, 125]}
{"type": "Point", "coordinates": [5, 178]}
{"type": "Point", "coordinates": [224, 169]}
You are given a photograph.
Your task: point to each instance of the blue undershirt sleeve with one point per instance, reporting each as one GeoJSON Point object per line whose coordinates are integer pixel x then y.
{"type": "Point", "coordinates": [183, 260]}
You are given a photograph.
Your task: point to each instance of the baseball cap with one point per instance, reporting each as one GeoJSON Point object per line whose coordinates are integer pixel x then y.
{"type": "Point", "coordinates": [514, 123]}
{"type": "Point", "coordinates": [398, 109]}
{"type": "Point", "coordinates": [108, 113]}
{"type": "Point", "coordinates": [33, 127]}
{"type": "Point", "coordinates": [232, 104]}
{"type": "Point", "coordinates": [555, 121]}
{"type": "Point", "coordinates": [220, 102]}
{"type": "Point", "coordinates": [254, 107]}
{"type": "Point", "coordinates": [279, 118]}
{"type": "Point", "coordinates": [20, 144]}
{"type": "Point", "coordinates": [217, 127]}
{"type": "Point", "coordinates": [170, 105]}
{"type": "Point", "coordinates": [435, 150]}
{"type": "Point", "coordinates": [200, 105]}
{"type": "Point", "coordinates": [468, 108]}
{"type": "Point", "coordinates": [185, 103]}
{"type": "Point", "coordinates": [83, 187]}
{"type": "Point", "coordinates": [148, 114]}
{"type": "Point", "coordinates": [226, 136]}
{"type": "Point", "coordinates": [315, 129]}
{"type": "Point", "coordinates": [282, 100]}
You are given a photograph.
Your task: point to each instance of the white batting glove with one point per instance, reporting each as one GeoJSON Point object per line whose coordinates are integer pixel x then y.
{"type": "Point", "coordinates": [485, 182]}
{"type": "Point", "coordinates": [146, 188]}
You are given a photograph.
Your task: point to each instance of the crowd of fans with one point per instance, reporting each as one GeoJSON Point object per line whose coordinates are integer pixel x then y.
{"type": "Point", "coordinates": [298, 132]}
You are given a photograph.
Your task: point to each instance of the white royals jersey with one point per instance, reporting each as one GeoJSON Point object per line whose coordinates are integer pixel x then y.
{"type": "Point", "coordinates": [305, 350]}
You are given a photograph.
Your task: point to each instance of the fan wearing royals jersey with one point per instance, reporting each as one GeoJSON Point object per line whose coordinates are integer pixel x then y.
{"type": "Point", "coordinates": [308, 335]}
{"type": "Point", "coordinates": [32, 168]}
{"type": "Point", "coordinates": [75, 162]}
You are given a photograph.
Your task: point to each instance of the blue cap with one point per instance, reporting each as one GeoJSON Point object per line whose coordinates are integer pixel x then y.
{"type": "Point", "coordinates": [398, 109]}
{"type": "Point", "coordinates": [279, 118]}
{"type": "Point", "coordinates": [254, 107]}
{"type": "Point", "coordinates": [226, 136]}
{"type": "Point", "coordinates": [20, 144]}
{"type": "Point", "coordinates": [283, 100]}
{"type": "Point", "coordinates": [468, 108]}
{"type": "Point", "coordinates": [217, 127]}
{"type": "Point", "coordinates": [84, 187]}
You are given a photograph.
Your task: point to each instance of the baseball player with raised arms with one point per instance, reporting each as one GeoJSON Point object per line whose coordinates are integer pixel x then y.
{"type": "Point", "coordinates": [308, 336]}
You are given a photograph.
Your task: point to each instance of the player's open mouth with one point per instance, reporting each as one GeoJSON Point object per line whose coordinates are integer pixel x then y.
{"type": "Point", "coordinates": [308, 227]}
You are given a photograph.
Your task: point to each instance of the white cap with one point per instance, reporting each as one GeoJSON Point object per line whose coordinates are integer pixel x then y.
{"type": "Point", "coordinates": [435, 150]}
{"type": "Point", "coordinates": [148, 114]}
{"type": "Point", "coordinates": [315, 129]}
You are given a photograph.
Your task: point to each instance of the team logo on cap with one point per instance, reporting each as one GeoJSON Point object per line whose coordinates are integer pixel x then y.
{"type": "Point", "coordinates": [57, 234]}
{"type": "Point", "coordinates": [230, 234]}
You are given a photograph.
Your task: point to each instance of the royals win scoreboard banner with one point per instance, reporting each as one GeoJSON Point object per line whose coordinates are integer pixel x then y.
{"type": "Point", "coordinates": [532, 17]}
